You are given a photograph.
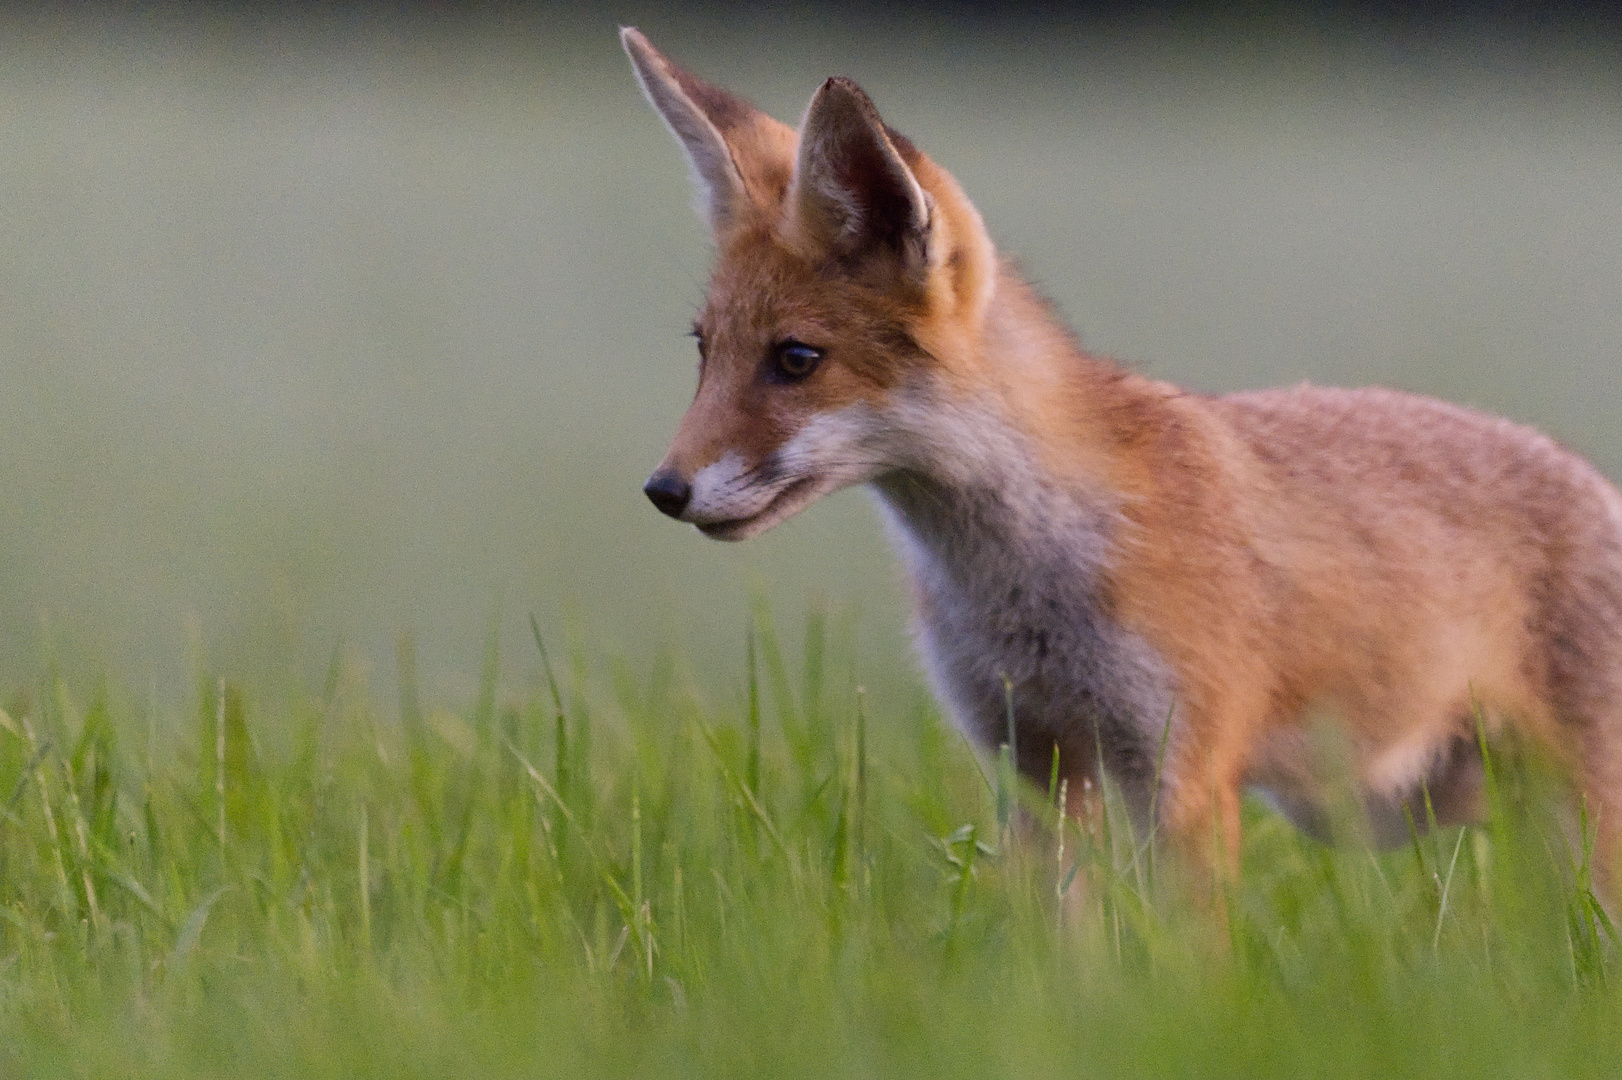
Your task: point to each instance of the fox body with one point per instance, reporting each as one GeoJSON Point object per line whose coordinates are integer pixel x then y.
{"type": "Point", "coordinates": [1166, 585]}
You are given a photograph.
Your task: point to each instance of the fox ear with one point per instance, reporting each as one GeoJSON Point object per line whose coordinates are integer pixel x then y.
{"type": "Point", "coordinates": [722, 134]}
{"type": "Point", "coordinates": [854, 194]}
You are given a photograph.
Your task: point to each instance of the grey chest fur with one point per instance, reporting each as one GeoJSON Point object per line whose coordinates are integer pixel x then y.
{"type": "Point", "coordinates": [1010, 589]}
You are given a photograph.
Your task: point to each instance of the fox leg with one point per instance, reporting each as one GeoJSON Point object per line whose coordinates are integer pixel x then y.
{"type": "Point", "coordinates": [1585, 734]}
{"type": "Point", "coordinates": [1207, 776]}
{"type": "Point", "coordinates": [1599, 784]}
{"type": "Point", "coordinates": [1203, 827]}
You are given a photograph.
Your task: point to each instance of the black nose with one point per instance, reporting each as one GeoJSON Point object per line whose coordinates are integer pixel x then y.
{"type": "Point", "coordinates": [669, 492]}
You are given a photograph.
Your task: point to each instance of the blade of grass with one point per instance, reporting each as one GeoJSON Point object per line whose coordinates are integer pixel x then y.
{"type": "Point", "coordinates": [742, 790]}
{"type": "Point", "coordinates": [191, 933]}
{"type": "Point", "coordinates": [753, 767]}
{"type": "Point", "coordinates": [628, 909]}
{"type": "Point", "coordinates": [1446, 885]}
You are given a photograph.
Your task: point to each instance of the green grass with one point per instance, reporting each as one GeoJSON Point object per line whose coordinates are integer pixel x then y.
{"type": "Point", "coordinates": [613, 877]}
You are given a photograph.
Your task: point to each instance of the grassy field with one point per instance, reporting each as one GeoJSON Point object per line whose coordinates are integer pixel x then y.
{"type": "Point", "coordinates": [615, 878]}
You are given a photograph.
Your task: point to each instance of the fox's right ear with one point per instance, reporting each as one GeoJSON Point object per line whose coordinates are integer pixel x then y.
{"type": "Point", "coordinates": [741, 158]}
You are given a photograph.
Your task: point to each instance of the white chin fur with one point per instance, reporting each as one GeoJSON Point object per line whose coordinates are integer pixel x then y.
{"type": "Point", "coordinates": [733, 500]}
{"type": "Point", "coordinates": [790, 500]}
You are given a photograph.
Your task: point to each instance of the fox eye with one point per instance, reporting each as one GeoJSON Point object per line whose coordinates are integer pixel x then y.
{"type": "Point", "coordinates": [794, 360]}
{"type": "Point", "coordinates": [703, 353]}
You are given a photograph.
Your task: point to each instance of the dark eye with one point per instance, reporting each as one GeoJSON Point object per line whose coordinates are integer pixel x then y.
{"type": "Point", "coordinates": [698, 335]}
{"type": "Point", "coordinates": [794, 360]}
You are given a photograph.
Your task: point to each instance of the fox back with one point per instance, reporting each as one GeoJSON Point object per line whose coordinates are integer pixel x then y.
{"type": "Point", "coordinates": [1166, 586]}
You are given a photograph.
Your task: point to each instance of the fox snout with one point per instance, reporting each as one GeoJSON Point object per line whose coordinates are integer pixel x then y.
{"type": "Point", "coordinates": [741, 492]}
{"type": "Point", "coordinates": [726, 499]}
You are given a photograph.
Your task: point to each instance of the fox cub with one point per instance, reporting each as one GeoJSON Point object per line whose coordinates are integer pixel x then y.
{"type": "Point", "coordinates": [1130, 561]}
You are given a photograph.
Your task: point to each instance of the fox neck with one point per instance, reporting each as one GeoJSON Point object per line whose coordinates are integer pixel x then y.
{"type": "Point", "coordinates": [985, 490]}
{"type": "Point", "coordinates": [1005, 512]}
{"type": "Point", "coordinates": [1017, 453]}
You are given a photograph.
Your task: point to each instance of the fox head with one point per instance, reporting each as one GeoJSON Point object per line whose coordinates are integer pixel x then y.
{"type": "Point", "coordinates": [852, 281]}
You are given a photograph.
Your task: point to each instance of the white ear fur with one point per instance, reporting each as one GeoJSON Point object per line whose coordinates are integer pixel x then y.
{"type": "Point", "coordinates": [852, 189]}
{"type": "Point", "coordinates": [720, 186]}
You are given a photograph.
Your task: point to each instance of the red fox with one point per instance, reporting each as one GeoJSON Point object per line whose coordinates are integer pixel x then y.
{"type": "Point", "coordinates": [1126, 561]}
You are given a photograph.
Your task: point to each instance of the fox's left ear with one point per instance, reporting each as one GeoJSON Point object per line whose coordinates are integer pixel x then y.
{"type": "Point", "coordinates": [854, 195]}
{"type": "Point", "coordinates": [867, 197]}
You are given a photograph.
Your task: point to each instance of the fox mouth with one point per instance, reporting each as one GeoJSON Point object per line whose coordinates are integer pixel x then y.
{"type": "Point", "coordinates": [786, 503]}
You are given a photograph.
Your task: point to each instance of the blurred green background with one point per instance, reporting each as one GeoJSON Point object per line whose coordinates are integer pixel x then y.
{"type": "Point", "coordinates": [317, 327]}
